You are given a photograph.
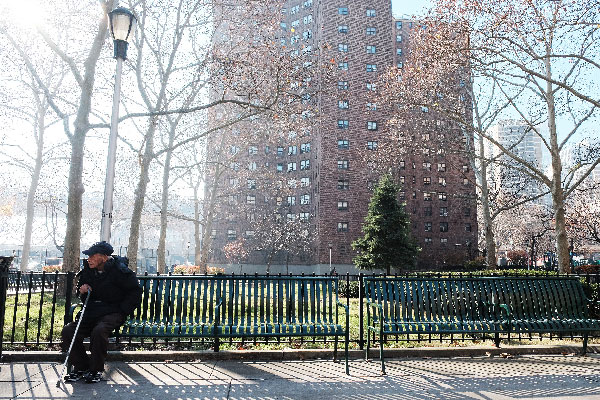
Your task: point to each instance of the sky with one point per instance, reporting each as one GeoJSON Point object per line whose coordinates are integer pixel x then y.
{"type": "Point", "coordinates": [407, 8]}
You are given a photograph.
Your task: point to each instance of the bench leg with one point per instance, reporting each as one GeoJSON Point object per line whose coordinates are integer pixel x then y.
{"type": "Point", "coordinates": [368, 345]}
{"type": "Point", "coordinates": [346, 351]}
{"type": "Point", "coordinates": [381, 346]}
{"type": "Point", "coordinates": [585, 343]}
{"type": "Point", "coordinates": [216, 344]}
{"type": "Point", "coordinates": [497, 340]}
{"type": "Point", "coordinates": [335, 348]}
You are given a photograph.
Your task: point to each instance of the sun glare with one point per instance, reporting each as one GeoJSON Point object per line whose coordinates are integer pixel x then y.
{"type": "Point", "coordinates": [24, 13]}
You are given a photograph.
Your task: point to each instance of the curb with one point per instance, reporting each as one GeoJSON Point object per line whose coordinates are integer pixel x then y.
{"type": "Point", "coordinates": [307, 354]}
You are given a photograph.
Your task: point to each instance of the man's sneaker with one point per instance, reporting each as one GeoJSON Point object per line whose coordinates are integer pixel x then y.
{"type": "Point", "coordinates": [75, 376]}
{"type": "Point", "coordinates": [93, 377]}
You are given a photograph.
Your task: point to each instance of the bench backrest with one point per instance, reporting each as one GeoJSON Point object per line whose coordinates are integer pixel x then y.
{"type": "Point", "coordinates": [442, 299]}
{"type": "Point", "coordinates": [245, 300]}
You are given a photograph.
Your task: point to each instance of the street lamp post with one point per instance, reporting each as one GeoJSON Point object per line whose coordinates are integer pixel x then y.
{"type": "Point", "coordinates": [121, 22]}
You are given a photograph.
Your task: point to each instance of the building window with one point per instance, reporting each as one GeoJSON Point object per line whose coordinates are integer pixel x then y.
{"type": "Point", "coordinates": [441, 167]}
{"type": "Point", "coordinates": [251, 183]}
{"type": "Point", "coordinates": [371, 86]}
{"type": "Point", "coordinates": [465, 168]}
{"type": "Point", "coordinates": [467, 211]}
{"type": "Point", "coordinates": [250, 199]}
{"type": "Point", "coordinates": [233, 181]}
{"type": "Point", "coordinates": [402, 179]}
{"type": "Point", "coordinates": [305, 199]}
{"type": "Point", "coordinates": [400, 65]}
{"type": "Point", "coordinates": [371, 67]}
{"type": "Point", "coordinates": [371, 106]}
{"type": "Point", "coordinates": [343, 144]}
{"type": "Point", "coordinates": [371, 50]}
{"type": "Point", "coordinates": [291, 200]}
{"type": "Point", "coordinates": [467, 227]}
{"type": "Point", "coordinates": [442, 181]}
{"type": "Point", "coordinates": [280, 152]}
{"type": "Point", "coordinates": [398, 52]}
{"type": "Point", "coordinates": [307, 19]}
{"type": "Point", "coordinates": [292, 150]}
{"type": "Point", "coordinates": [371, 12]}
{"type": "Point", "coordinates": [343, 47]}
{"type": "Point", "coordinates": [402, 165]}
{"type": "Point", "coordinates": [213, 233]}
{"type": "Point", "coordinates": [398, 38]}
{"type": "Point", "coordinates": [372, 125]}
{"type": "Point", "coordinates": [343, 10]}
{"type": "Point", "coordinates": [305, 181]}
{"type": "Point", "coordinates": [427, 211]}
{"type": "Point", "coordinates": [427, 180]}
{"type": "Point", "coordinates": [343, 66]}
{"type": "Point", "coordinates": [398, 25]}
{"type": "Point", "coordinates": [342, 227]}
{"type": "Point", "coordinates": [343, 104]}
{"type": "Point", "coordinates": [428, 227]}
{"type": "Point", "coordinates": [444, 240]}
{"type": "Point", "coordinates": [442, 196]}
{"type": "Point", "coordinates": [443, 211]}
{"type": "Point", "coordinates": [424, 109]}
{"type": "Point", "coordinates": [291, 166]}
{"type": "Point", "coordinates": [342, 164]}
{"type": "Point", "coordinates": [252, 150]}
{"type": "Point", "coordinates": [343, 184]}
{"type": "Point", "coordinates": [414, 179]}
{"type": "Point", "coordinates": [443, 227]}
{"type": "Point", "coordinates": [371, 31]}
{"type": "Point", "coordinates": [304, 165]}
{"type": "Point", "coordinates": [342, 205]}
{"type": "Point", "coordinates": [402, 195]}
{"type": "Point", "coordinates": [414, 194]}
{"type": "Point", "coordinates": [231, 234]}
{"type": "Point", "coordinates": [279, 167]}
{"type": "Point", "coordinates": [427, 166]}
{"type": "Point", "coordinates": [307, 4]}
{"type": "Point", "coordinates": [426, 196]}
{"type": "Point", "coordinates": [428, 240]}
{"type": "Point", "coordinates": [343, 29]}
{"type": "Point", "coordinates": [372, 145]}
{"type": "Point", "coordinates": [252, 166]}
{"type": "Point", "coordinates": [305, 148]}
{"type": "Point", "coordinates": [465, 181]}
{"type": "Point", "coordinates": [343, 85]}
{"type": "Point", "coordinates": [343, 123]}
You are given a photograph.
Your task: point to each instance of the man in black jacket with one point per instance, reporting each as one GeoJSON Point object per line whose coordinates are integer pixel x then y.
{"type": "Point", "coordinates": [115, 293]}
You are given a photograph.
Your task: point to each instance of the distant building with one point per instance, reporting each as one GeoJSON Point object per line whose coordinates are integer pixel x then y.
{"type": "Point", "coordinates": [335, 182]}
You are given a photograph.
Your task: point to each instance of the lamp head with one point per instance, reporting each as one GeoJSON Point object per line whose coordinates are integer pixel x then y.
{"type": "Point", "coordinates": [121, 23]}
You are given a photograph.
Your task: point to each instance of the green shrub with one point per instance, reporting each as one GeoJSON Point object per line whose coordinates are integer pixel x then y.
{"type": "Point", "coordinates": [345, 290]}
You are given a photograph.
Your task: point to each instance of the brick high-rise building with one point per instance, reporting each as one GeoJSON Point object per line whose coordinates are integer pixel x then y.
{"type": "Point", "coordinates": [329, 161]}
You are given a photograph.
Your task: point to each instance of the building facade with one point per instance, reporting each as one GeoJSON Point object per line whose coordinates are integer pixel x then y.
{"type": "Point", "coordinates": [325, 166]}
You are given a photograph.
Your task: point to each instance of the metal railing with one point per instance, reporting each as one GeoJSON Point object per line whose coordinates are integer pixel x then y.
{"type": "Point", "coordinates": [34, 307]}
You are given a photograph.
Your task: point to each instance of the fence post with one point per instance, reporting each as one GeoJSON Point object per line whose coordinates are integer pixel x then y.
{"type": "Point", "coordinates": [5, 263]}
{"type": "Point", "coordinates": [361, 327]}
{"type": "Point", "coordinates": [68, 296]}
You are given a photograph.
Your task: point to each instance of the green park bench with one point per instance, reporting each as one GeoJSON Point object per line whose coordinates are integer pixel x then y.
{"type": "Point", "coordinates": [476, 306]}
{"type": "Point", "coordinates": [235, 306]}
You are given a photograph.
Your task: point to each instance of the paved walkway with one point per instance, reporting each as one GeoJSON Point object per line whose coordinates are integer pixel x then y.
{"type": "Point", "coordinates": [522, 377]}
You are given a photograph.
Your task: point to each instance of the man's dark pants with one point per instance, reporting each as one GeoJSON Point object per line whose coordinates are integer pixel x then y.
{"type": "Point", "coordinates": [98, 332]}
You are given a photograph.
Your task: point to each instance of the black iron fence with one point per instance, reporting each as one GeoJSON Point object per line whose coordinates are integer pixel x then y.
{"type": "Point", "coordinates": [34, 307]}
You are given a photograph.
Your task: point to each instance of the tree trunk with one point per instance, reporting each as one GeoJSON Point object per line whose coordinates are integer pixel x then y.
{"type": "Point", "coordinates": [197, 230]}
{"type": "Point", "coordinates": [160, 253]}
{"type": "Point", "coordinates": [488, 223]}
{"type": "Point", "coordinates": [73, 234]}
{"type": "Point", "coordinates": [140, 196]}
{"type": "Point", "coordinates": [558, 196]}
{"type": "Point", "coordinates": [35, 179]}
{"type": "Point", "coordinates": [209, 213]}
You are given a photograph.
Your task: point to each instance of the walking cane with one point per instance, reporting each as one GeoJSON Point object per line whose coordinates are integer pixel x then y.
{"type": "Point", "coordinates": [62, 375]}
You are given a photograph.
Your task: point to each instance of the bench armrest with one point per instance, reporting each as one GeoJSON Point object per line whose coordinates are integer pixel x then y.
{"type": "Point", "coordinates": [506, 309]}
{"type": "Point", "coordinates": [374, 304]}
{"type": "Point", "coordinates": [344, 306]}
{"type": "Point", "coordinates": [217, 310]}
{"type": "Point", "coordinates": [72, 311]}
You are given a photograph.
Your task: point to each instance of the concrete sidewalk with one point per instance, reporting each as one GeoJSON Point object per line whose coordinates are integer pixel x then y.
{"type": "Point", "coordinates": [519, 377]}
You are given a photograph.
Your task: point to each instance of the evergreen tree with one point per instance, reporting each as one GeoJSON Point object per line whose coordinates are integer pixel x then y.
{"type": "Point", "coordinates": [387, 242]}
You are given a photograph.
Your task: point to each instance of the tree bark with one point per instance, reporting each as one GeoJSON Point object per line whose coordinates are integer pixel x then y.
{"type": "Point", "coordinates": [490, 240]}
{"type": "Point", "coordinates": [160, 252]}
{"type": "Point", "coordinates": [35, 180]}
{"type": "Point", "coordinates": [140, 196]}
{"type": "Point", "coordinates": [197, 229]}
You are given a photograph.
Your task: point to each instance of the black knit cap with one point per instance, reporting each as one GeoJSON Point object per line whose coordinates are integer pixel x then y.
{"type": "Point", "coordinates": [99, 247]}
